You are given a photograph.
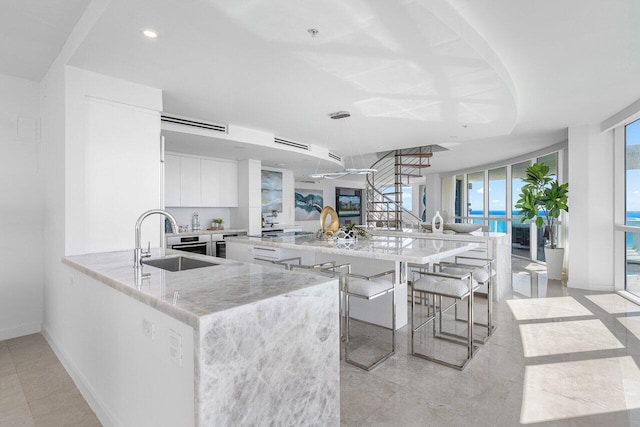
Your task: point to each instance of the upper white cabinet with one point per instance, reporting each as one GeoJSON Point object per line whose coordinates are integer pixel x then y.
{"type": "Point", "coordinates": [171, 180]}
{"type": "Point", "coordinates": [228, 183]}
{"type": "Point", "coordinates": [190, 182]}
{"type": "Point", "coordinates": [200, 182]}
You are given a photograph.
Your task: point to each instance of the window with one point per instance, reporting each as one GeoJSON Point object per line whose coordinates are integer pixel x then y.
{"type": "Point", "coordinates": [632, 206]}
{"type": "Point", "coordinates": [632, 166]}
{"type": "Point", "coordinates": [498, 198]}
{"type": "Point", "coordinates": [520, 232]}
{"type": "Point", "coordinates": [475, 194]}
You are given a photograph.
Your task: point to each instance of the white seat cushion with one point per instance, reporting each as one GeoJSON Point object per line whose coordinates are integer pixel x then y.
{"type": "Point", "coordinates": [445, 286]}
{"type": "Point", "coordinates": [480, 274]}
{"type": "Point", "coordinates": [367, 288]}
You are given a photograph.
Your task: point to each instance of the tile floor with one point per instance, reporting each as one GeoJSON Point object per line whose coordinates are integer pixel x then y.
{"type": "Point", "coordinates": [560, 357]}
{"type": "Point", "coordinates": [35, 390]}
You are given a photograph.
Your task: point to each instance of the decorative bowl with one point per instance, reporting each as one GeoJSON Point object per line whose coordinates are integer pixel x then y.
{"type": "Point", "coordinates": [463, 228]}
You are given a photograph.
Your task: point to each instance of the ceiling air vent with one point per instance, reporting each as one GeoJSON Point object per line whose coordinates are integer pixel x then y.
{"type": "Point", "coordinates": [335, 156]}
{"type": "Point", "coordinates": [185, 121]}
{"type": "Point", "coordinates": [291, 143]}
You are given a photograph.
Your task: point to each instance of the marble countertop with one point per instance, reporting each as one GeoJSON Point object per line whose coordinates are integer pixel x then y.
{"type": "Point", "coordinates": [391, 248]}
{"type": "Point", "coordinates": [201, 291]}
{"type": "Point", "coordinates": [476, 236]}
{"type": "Point", "coordinates": [201, 232]}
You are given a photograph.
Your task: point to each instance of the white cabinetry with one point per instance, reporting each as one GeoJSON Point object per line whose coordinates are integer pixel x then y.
{"type": "Point", "coordinates": [228, 183]}
{"type": "Point", "coordinates": [171, 180]}
{"type": "Point", "coordinates": [200, 182]}
{"type": "Point", "coordinates": [190, 182]}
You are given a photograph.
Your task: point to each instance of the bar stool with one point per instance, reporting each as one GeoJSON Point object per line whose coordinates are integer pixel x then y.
{"type": "Point", "coordinates": [457, 287]}
{"type": "Point", "coordinates": [483, 272]}
{"type": "Point", "coordinates": [369, 288]}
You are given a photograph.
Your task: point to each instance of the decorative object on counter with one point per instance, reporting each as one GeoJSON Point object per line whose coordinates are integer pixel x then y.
{"type": "Point", "coordinates": [437, 223]}
{"type": "Point", "coordinates": [462, 228]}
{"type": "Point", "coordinates": [334, 225]}
{"type": "Point", "coordinates": [183, 229]}
{"type": "Point", "coordinates": [195, 222]}
{"type": "Point", "coordinates": [308, 204]}
{"type": "Point", "coordinates": [216, 224]}
{"type": "Point", "coordinates": [543, 199]}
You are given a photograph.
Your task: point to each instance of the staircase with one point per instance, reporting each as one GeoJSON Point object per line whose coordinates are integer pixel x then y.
{"type": "Point", "coordinates": [384, 187]}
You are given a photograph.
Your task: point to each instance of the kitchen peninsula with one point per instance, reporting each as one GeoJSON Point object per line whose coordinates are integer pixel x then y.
{"type": "Point", "coordinates": [496, 246]}
{"type": "Point", "coordinates": [367, 256]}
{"type": "Point", "coordinates": [227, 344]}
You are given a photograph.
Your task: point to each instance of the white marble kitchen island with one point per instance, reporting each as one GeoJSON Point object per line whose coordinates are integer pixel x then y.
{"type": "Point", "coordinates": [265, 341]}
{"type": "Point", "coordinates": [367, 256]}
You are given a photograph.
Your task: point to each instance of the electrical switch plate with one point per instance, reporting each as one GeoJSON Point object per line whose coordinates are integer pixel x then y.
{"type": "Point", "coordinates": [149, 330]}
{"type": "Point", "coordinates": [175, 347]}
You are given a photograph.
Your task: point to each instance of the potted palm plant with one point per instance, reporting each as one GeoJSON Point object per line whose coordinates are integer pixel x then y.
{"type": "Point", "coordinates": [542, 199]}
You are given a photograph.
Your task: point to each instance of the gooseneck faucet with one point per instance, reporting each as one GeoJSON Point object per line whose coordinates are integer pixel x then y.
{"type": "Point", "coordinates": [138, 254]}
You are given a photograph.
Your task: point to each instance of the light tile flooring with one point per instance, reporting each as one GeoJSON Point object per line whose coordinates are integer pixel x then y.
{"type": "Point", "coordinates": [560, 357]}
{"type": "Point", "coordinates": [36, 390]}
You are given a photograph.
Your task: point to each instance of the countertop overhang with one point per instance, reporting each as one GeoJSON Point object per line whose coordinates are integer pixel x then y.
{"type": "Point", "coordinates": [189, 296]}
{"type": "Point", "coordinates": [390, 248]}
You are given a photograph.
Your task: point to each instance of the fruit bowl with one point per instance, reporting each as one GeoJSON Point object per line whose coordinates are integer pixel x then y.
{"type": "Point", "coordinates": [463, 228]}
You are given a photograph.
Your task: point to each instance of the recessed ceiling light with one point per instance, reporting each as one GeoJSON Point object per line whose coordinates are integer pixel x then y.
{"type": "Point", "coordinates": [152, 34]}
{"type": "Point", "coordinates": [279, 164]}
{"type": "Point", "coordinates": [453, 136]}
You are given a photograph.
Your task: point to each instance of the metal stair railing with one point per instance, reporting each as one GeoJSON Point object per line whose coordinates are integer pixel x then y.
{"type": "Point", "coordinates": [391, 169]}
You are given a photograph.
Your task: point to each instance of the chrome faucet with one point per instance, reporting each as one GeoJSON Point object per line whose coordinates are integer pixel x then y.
{"type": "Point", "coordinates": [138, 253]}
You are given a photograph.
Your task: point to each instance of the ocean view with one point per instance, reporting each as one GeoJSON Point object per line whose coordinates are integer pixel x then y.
{"type": "Point", "coordinates": [501, 226]}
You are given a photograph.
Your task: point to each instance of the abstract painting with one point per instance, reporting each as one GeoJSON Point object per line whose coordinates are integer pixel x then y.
{"type": "Point", "coordinates": [308, 204]}
{"type": "Point", "coordinates": [271, 191]}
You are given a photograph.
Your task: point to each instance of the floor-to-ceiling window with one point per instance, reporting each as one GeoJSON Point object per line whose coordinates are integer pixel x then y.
{"type": "Point", "coordinates": [489, 197]}
{"type": "Point", "coordinates": [520, 234]}
{"type": "Point", "coordinates": [632, 206]}
{"type": "Point", "coordinates": [498, 199]}
{"type": "Point", "coordinates": [475, 196]}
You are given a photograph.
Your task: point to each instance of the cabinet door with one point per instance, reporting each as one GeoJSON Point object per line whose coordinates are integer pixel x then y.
{"type": "Point", "coordinates": [229, 184]}
{"type": "Point", "coordinates": [210, 182]}
{"type": "Point", "coordinates": [171, 180]}
{"type": "Point", "coordinates": [190, 182]}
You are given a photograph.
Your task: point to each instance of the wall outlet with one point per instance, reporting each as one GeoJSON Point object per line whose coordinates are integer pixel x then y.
{"type": "Point", "coordinates": [149, 330]}
{"type": "Point", "coordinates": [175, 347]}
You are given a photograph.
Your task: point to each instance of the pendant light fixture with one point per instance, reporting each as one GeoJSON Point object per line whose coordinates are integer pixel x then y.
{"type": "Point", "coordinates": [349, 171]}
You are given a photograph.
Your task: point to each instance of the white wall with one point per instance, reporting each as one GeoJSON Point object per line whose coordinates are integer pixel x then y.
{"type": "Point", "coordinates": [112, 161]}
{"type": "Point", "coordinates": [247, 214]}
{"type": "Point", "coordinates": [184, 216]}
{"type": "Point", "coordinates": [591, 231]}
{"type": "Point", "coordinates": [21, 205]}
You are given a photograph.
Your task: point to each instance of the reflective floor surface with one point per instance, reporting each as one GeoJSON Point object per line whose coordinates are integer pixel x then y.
{"type": "Point", "coordinates": [559, 357]}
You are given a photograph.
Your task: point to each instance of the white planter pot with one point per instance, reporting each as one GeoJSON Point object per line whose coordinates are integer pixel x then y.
{"type": "Point", "coordinates": [555, 258]}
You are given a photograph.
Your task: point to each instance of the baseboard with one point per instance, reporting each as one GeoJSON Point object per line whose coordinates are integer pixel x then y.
{"type": "Point", "coordinates": [106, 417]}
{"type": "Point", "coordinates": [20, 331]}
{"type": "Point", "coordinates": [595, 288]}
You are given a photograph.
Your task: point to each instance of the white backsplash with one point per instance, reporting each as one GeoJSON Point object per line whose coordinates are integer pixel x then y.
{"type": "Point", "coordinates": [184, 215]}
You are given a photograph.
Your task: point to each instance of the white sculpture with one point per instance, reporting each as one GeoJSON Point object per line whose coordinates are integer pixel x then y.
{"type": "Point", "coordinates": [437, 223]}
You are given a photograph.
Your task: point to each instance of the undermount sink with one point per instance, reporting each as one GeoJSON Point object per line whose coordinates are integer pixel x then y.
{"type": "Point", "coordinates": [178, 263]}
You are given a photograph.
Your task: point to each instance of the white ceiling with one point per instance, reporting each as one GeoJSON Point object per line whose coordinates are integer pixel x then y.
{"type": "Point", "coordinates": [32, 32]}
{"type": "Point", "coordinates": [414, 72]}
